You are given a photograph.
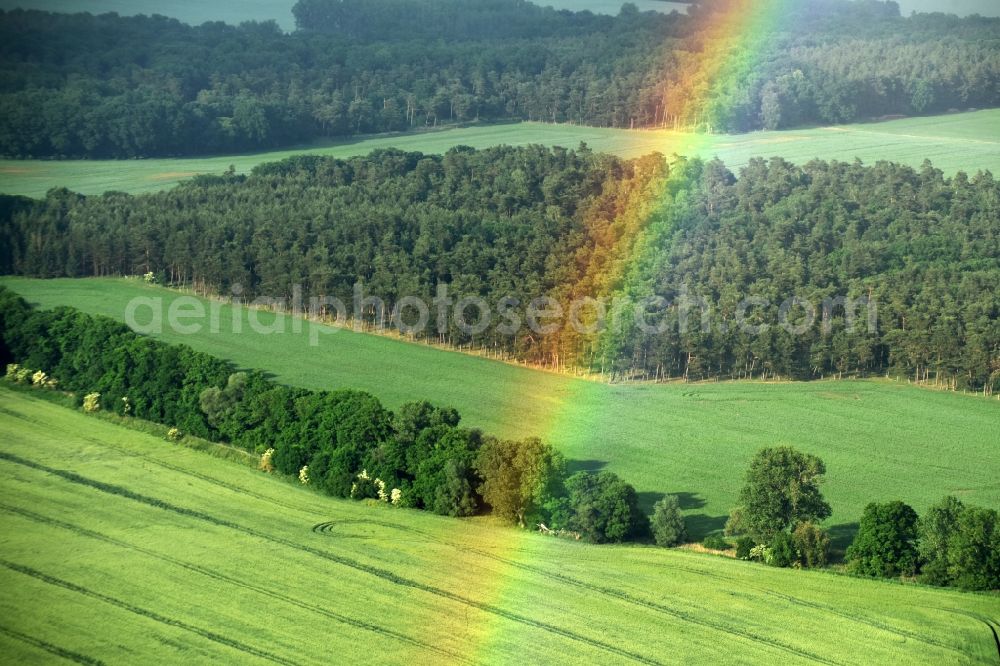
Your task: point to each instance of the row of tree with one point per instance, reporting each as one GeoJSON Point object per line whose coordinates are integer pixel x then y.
{"type": "Point", "coordinates": [687, 239]}
{"type": "Point", "coordinates": [781, 506]}
{"type": "Point", "coordinates": [109, 86]}
{"type": "Point", "coordinates": [343, 442]}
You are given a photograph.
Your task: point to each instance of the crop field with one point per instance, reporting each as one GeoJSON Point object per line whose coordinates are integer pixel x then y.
{"type": "Point", "coordinates": [117, 546]}
{"type": "Point", "coordinates": [966, 141]}
{"type": "Point", "coordinates": [881, 440]}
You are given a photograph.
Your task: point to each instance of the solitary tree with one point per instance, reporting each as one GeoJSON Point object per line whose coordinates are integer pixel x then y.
{"type": "Point", "coordinates": [886, 544]}
{"type": "Point", "coordinates": [782, 489]}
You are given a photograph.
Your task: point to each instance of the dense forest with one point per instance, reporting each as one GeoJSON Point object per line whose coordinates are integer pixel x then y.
{"type": "Point", "coordinates": [686, 238]}
{"type": "Point", "coordinates": [109, 86]}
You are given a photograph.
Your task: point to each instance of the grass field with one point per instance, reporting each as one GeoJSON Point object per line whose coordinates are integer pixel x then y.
{"type": "Point", "coordinates": [967, 141]}
{"type": "Point", "coordinates": [880, 440]}
{"type": "Point", "coordinates": [120, 547]}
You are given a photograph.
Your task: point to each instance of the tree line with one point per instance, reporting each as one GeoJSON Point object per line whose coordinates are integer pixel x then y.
{"type": "Point", "coordinates": [782, 506]}
{"type": "Point", "coordinates": [120, 87]}
{"type": "Point", "coordinates": [568, 224]}
{"type": "Point", "coordinates": [345, 443]}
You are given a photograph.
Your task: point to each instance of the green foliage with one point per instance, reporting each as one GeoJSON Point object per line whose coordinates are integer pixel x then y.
{"type": "Point", "coordinates": [960, 545]}
{"type": "Point", "coordinates": [667, 522]}
{"type": "Point", "coordinates": [782, 488]}
{"type": "Point", "coordinates": [885, 545]}
{"type": "Point", "coordinates": [604, 508]}
{"type": "Point", "coordinates": [519, 478]}
{"type": "Point", "coordinates": [812, 545]}
{"type": "Point", "coordinates": [936, 528]}
{"type": "Point", "coordinates": [781, 551]}
{"type": "Point", "coordinates": [744, 545]}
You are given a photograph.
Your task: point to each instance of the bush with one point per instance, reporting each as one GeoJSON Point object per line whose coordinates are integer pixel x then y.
{"type": "Point", "coordinates": [781, 551]}
{"type": "Point", "coordinates": [266, 463]}
{"type": "Point", "coordinates": [667, 524]}
{"type": "Point", "coordinates": [715, 542]}
{"type": "Point", "coordinates": [744, 546]}
{"type": "Point", "coordinates": [175, 435]}
{"type": "Point", "coordinates": [304, 475]}
{"type": "Point", "coordinates": [92, 402]}
{"type": "Point", "coordinates": [812, 545]}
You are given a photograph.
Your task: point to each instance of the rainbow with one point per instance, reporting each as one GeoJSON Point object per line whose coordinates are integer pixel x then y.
{"type": "Point", "coordinates": [733, 35]}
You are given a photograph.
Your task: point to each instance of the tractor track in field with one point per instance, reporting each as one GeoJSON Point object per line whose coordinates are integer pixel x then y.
{"type": "Point", "coordinates": [619, 595]}
{"type": "Point", "coordinates": [989, 622]}
{"type": "Point", "coordinates": [376, 572]}
{"type": "Point", "coordinates": [874, 624]}
{"type": "Point", "coordinates": [68, 655]}
{"type": "Point", "coordinates": [144, 612]}
{"type": "Point", "coordinates": [174, 468]}
{"type": "Point", "coordinates": [214, 575]}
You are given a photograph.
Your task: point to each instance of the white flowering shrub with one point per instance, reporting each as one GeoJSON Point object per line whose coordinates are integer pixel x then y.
{"type": "Point", "coordinates": [759, 553]}
{"type": "Point", "coordinates": [174, 434]}
{"type": "Point", "coordinates": [266, 464]}
{"type": "Point", "coordinates": [52, 383]}
{"type": "Point", "coordinates": [396, 496]}
{"type": "Point", "coordinates": [12, 369]}
{"type": "Point", "coordinates": [368, 488]}
{"type": "Point", "coordinates": [304, 475]}
{"type": "Point", "coordinates": [126, 406]}
{"type": "Point", "coordinates": [39, 378]}
{"type": "Point", "coordinates": [92, 402]}
{"type": "Point", "coordinates": [149, 278]}
{"type": "Point", "coordinates": [22, 376]}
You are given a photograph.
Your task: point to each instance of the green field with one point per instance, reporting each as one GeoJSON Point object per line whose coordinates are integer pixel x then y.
{"type": "Point", "coordinates": [118, 546]}
{"type": "Point", "coordinates": [880, 440]}
{"type": "Point", "coordinates": [967, 141]}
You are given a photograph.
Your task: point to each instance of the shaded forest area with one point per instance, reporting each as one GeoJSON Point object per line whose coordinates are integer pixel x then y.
{"type": "Point", "coordinates": [569, 224]}
{"type": "Point", "coordinates": [121, 87]}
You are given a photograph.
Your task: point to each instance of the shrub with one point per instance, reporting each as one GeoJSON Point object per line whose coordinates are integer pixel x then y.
{"type": "Point", "coordinates": [304, 475]}
{"type": "Point", "coordinates": [126, 406]}
{"type": "Point", "coordinates": [149, 278]}
{"type": "Point", "coordinates": [22, 376]}
{"type": "Point", "coordinates": [92, 402]}
{"type": "Point", "coordinates": [812, 545]}
{"type": "Point", "coordinates": [396, 496]}
{"type": "Point", "coordinates": [781, 551]}
{"type": "Point", "coordinates": [667, 524]}
{"type": "Point", "coordinates": [744, 546]}
{"type": "Point", "coordinates": [715, 542]}
{"type": "Point", "coordinates": [12, 369]}
{"type": "Point", "coordinates": [266, 463]}
{"type": "Point", "coordinates": [174, 435]}
{"type": "Point", "coordinates": [39, 378]}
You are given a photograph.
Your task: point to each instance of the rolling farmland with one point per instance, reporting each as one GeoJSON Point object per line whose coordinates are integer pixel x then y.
{"type": "Point", "coordinates": [120, 547]}
{"type": "Point", "coordinates": [880, 440]}
{"type": "Point", "coordinates": [955, 142]}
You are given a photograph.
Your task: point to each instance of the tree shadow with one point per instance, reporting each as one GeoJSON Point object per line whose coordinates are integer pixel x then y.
{"type": "Point", "coordinates": [648, 498]}
{"type": "Point", "coordinates": [574, 466]}
{"type": "Point", "coordinates": [700, 525]}
{"type": "Point", "coordinates": [689, 501]}
{"type": "Point", "coordinates": [841, 537]}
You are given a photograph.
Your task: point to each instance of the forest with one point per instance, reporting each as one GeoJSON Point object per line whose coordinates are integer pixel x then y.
{"type": "Point", "coordinates": [163, 88]}
{"type": "Point", "coordinates": [532, 222]}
